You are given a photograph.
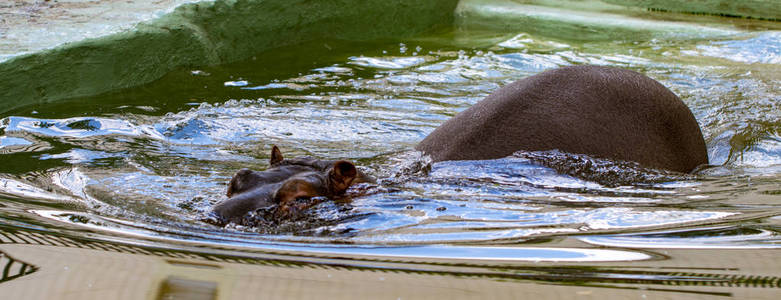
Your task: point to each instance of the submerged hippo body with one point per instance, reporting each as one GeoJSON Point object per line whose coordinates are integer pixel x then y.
{"type": "Point", "coordinates": [283, 184]}
{"type": "Point", "coordinates": [600, 111]}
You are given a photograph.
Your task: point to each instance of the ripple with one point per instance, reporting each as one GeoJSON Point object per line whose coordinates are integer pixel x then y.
{"type": "Point", "coordinates": [21, 189]}
{"type": "Point", "coordinates": [78, 156]}
{"type": "Point", "coordinates": [79, 127]}
{"type": "Point", "coordinates": [762, 48]}
{"type": "Point", "coordinates": [8, 141]}
{"type": "Point", "coordinates": [535, 254]}
{"type": "Point", "coordinates": [236, 83]}
{"type": "Point", "coordinates": [388, 62]}
{"type": "Point", "coordinates": [526, 41]}
{"type": "Point", "coordinates": [159, 172]}
{"type": "Point", "coordinates": [726, 237]}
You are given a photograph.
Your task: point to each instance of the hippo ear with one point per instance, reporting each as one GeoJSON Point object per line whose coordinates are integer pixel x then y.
{"type": "Point", "coordinates": [341, 176]}
{"type": "Point", "coordinates": [276, 155]}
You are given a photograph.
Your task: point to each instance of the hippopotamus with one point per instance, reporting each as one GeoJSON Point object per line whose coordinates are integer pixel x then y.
{"type": "Point", "coordinates": [603, 112]}
{"type": "Point", "coordinates": [283, 184]}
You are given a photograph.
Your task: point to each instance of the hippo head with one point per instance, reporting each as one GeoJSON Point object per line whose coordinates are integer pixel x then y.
{"type": "Point", "coordinates": [288, 185]}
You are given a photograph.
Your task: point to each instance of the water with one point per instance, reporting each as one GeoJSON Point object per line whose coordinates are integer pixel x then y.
{"type": "Point", "coordinates": [142, 166]}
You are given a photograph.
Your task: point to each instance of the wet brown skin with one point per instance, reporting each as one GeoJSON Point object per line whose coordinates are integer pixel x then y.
{"type": "Point", "coordinates": [600, 111]}
{"type": "Point", "coordinates": [283, 183]}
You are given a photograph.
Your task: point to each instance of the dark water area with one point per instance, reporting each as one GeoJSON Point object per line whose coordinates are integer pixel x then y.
{"type": "Point", "coordinates": [143, 165]}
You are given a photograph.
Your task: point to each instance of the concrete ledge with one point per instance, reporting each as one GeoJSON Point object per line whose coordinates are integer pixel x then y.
{"type": "Point", "coordinates": [206, 33]}
{"type": "Point", "coordinates": [588, 20]}
{"type": "Point", "coordinates": [28, 26]}
{"type": "Point", "coordinates": [757, 9]}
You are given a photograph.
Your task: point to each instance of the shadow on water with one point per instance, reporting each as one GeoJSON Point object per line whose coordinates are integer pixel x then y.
{"type": "Point", "coordinates": [133, 171]}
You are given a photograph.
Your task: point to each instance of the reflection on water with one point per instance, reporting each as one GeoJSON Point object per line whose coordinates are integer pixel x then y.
{"type": "Point", "coordinates": [761, 48]}
{"type": "Point", "coordinates": [425, 251]}
{"type": "Point", "coordinates": [728, 237]}
{"type": "Point", "coordinates": [144, 165]}
{"type": "Point", "coordinates": [13, 269]}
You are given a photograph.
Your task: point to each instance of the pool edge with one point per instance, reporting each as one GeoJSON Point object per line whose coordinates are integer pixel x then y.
{"type": "Point", "coordinates": [203, 34]}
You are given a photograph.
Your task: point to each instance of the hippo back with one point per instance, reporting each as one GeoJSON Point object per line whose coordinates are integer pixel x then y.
{"type": "Point", "coordinates": [600, 111]}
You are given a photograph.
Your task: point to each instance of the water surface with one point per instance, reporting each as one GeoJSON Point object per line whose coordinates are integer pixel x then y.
{"type": "Point", "coordinates": [145, 164]}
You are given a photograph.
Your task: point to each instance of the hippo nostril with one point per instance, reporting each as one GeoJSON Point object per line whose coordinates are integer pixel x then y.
{"type": "Point", "coordinates": [341, 176]}
{"type": "Point", "coordinates": [345, 168]}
